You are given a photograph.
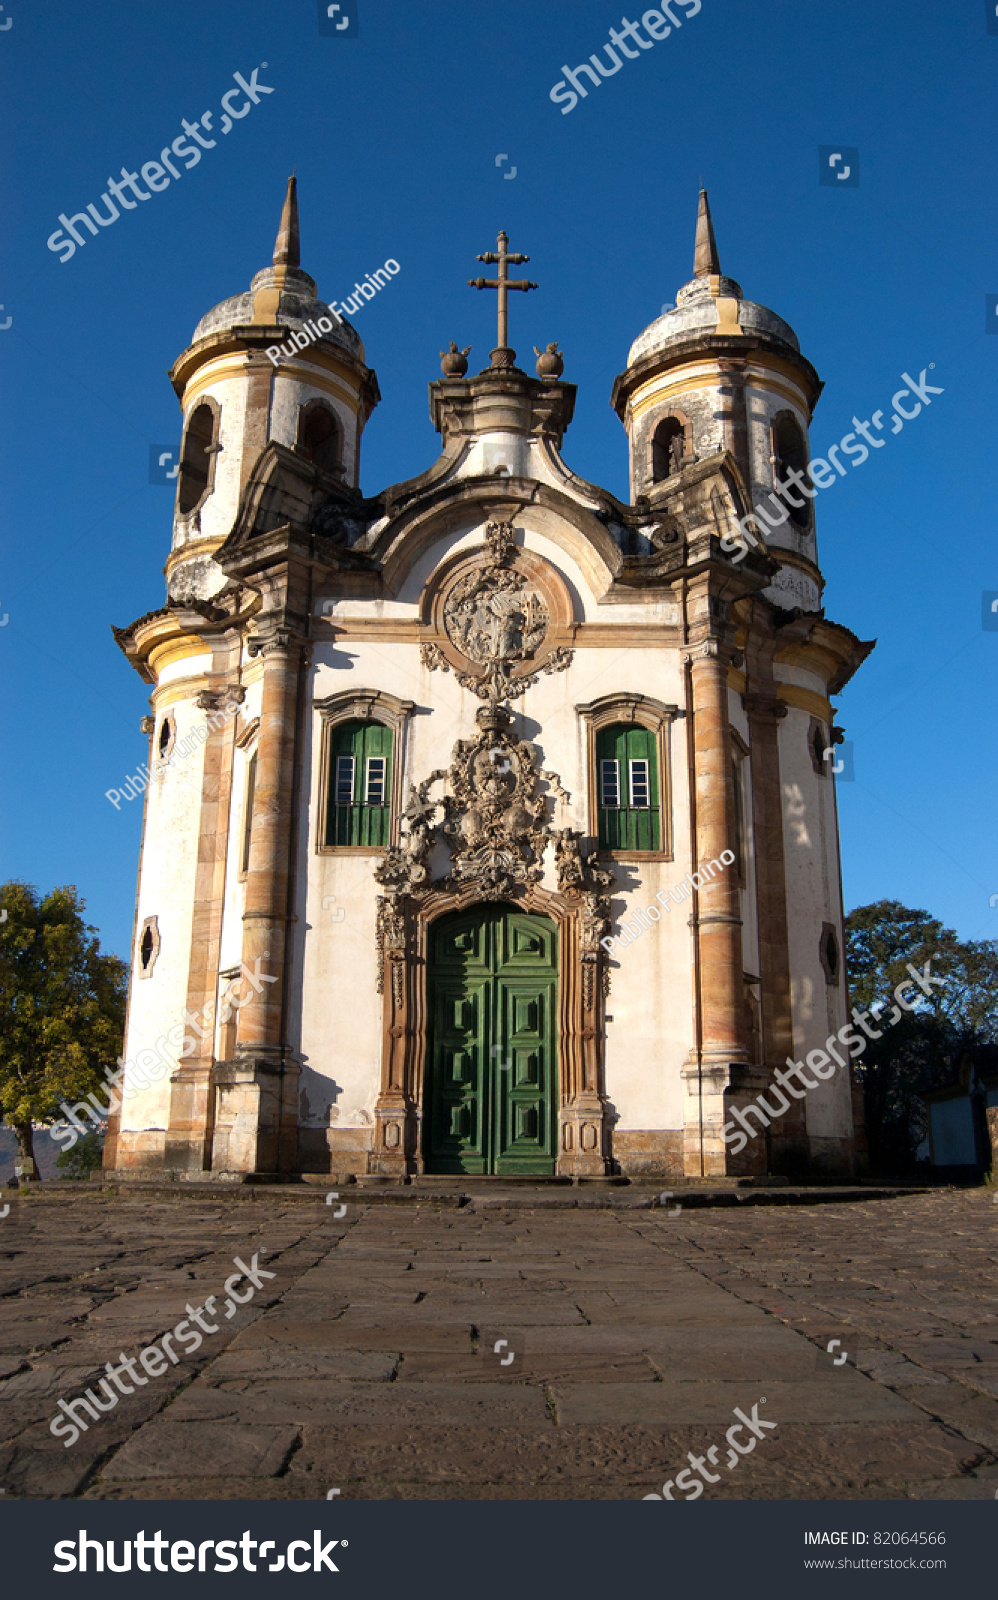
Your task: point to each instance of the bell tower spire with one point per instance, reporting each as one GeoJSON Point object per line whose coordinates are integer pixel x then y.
{"type": "Point", "coordinates": [287, 249]}
{"type": "Point", "coordinates": [706, 262]}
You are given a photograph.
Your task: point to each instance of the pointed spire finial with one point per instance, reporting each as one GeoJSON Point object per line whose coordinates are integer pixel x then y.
{"type": "Point", "coordinates": [705, 260]}
{"type": "Point", "coordinates": [287, 250]}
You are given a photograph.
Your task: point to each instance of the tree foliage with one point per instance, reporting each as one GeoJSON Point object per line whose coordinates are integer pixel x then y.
{"type": "Point", "coordinates": [62, 1006]}
{"type": "Point", "coordinates": [922, 1049]}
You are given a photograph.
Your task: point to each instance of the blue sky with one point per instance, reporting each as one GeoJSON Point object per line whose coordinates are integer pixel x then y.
{"type": "Point", "coordinates": [395, 135]}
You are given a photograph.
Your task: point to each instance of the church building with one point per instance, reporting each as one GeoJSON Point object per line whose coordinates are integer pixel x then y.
{"type": "Point", "coordinates": [490, 826]}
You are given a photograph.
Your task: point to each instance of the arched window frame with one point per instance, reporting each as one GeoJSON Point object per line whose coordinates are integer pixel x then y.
{"type": "Point", "coordinates": [638, 710]}
{"type": "Point", "coordinates": [686, 426]}
{"type": "Point", "coordinates": [149, 935]}
{"type": "Point", "coordinates": [818, 741]}
{"type": "Point", "coordinates": [361, 705]}
{"type": "Point", "coordinates": [305, 412]}
{"type": "Point", "coordinates": [211, 451]}
{"type": "Point", "coordinates": [801, 517]}
{"type": "Point", "coordinates": [166, 737]}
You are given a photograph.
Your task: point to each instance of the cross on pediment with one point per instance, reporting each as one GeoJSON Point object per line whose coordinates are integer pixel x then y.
{"type": "Point", "coordinates": [502, 356]}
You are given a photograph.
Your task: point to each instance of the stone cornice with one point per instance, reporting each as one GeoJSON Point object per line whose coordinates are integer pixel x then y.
{"type": "Point", "coordinates": [728, 348]}
{"type": "Point", "coordinates": [160, 638]}
{"type": "Point", "coordinates": [832, 651]}
{"type": "Point", "coordinates": [252, 340]}
{"type": "Point", "coordinates": [507, 403]}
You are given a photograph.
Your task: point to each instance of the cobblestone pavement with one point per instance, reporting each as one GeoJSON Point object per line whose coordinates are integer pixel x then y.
{"type": "Point", "coordinates": [372, 1363]}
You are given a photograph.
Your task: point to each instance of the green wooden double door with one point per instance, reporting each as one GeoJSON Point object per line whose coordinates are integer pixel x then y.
{"type": "Point", "coordinates": [492, 1057]}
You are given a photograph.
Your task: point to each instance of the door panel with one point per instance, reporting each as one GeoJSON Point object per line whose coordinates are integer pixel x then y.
{"type": "Point", "coordinates": [458, 1021]}
{"type": "Point", "coordinates": [528, 1086]}
{"type": "Point", "coordinates": [492, 1089]}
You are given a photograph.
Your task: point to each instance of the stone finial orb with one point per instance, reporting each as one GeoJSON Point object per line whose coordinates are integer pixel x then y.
{"type": "Point", "coordinates": [454, 362]}
{"type": "Point", "coordinates": [549, 362]}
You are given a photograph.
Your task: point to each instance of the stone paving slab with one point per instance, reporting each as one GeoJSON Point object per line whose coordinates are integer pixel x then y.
{"type": "Point", "coordinates": [308, 1401]}
{"type": "Point", "coordinates": [204, 1450]}
{"type": "Point", "coordinates": [279, 1361]}
{"type": "Point", "coordinates": [368, 1362]}
{"type": "Point", "coordinates": [835, 1398]}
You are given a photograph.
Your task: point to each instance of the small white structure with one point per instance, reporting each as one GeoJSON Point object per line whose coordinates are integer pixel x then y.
{"type": "Point", "coordinates": [491, 826]}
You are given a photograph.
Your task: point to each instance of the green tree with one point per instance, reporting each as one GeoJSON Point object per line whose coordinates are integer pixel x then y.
{"type": "Point", "coordinates": [919, 1049]}
{"type": "Point", "coordinates": [84, 1158]}
{"type": "Point", "coordinates": [62, 1007]}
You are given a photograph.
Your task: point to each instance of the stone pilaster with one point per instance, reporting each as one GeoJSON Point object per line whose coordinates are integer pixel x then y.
{"type": "Point", "coordinates": [192, 1097]}
{"type": "Point", "coordinates": [721, 1074]}
{"type": "Point", "coordinates": [788, 1146]}
{"type": "Point", "coordinates": [396, 1149]}
{"type": "Point", "coordinates": [256, 1114]}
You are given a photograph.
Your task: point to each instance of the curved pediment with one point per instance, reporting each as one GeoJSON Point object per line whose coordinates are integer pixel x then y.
{"type": "Point", "coordinates": [406, 538]}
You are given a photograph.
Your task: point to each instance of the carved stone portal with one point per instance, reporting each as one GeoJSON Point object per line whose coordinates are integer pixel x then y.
{"type": "Point", "coordinates": [496, 825]}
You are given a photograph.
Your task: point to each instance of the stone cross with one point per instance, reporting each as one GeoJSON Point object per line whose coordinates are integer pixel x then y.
{"type": "Point", "coordinates": [502, 356]}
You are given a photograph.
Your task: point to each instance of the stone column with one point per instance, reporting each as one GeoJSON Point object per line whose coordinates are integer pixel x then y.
{"type": "Point", "coordinates": [788, 1139]}
{"type": "Point", "coordinates": [192, 1096]}
{"type": "Point", "coordinates": [721, 1076]}
{"type": "Point", "coordinates": [256, 1122]}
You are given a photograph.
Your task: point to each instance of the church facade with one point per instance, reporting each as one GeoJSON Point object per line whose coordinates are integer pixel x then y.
{"type": "Point", "coordinates": [490, 826]}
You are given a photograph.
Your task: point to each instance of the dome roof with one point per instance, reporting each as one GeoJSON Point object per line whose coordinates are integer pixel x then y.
{"type": "Point", "coordinates": [697, 309]}
{"type": "Point", "coordinates": [281, 294]}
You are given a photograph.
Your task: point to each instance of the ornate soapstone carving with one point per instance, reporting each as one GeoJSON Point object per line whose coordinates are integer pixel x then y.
{"type": "Point", "coordinates": [583, 878]}
{"type": "Point", "coordinates": [495, 618]}
{"type": "Point", "coordinates": [496, 826]}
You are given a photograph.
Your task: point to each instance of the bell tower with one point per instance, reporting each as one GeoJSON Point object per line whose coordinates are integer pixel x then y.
{"type": "Point", "coordinates": [717, 400]}
{"type": "Point", "coordinates": [719, 373]}
{"type": "Point", "coordinates": [275, 393]}
{"type": "Point", "coordinates": [273, 363]}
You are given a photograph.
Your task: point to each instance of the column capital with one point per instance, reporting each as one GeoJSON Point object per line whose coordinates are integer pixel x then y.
{"type": "Point", "coordinates": [277, 641]}
{"type": "Point", "coordinates": [712, 649]}
{"type": "Point", "coordinates": [215, 699]}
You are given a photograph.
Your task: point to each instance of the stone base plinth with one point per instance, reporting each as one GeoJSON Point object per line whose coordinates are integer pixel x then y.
{"type": "Point", "coordinates": [582, 1141]}
{"type": "Point", "coordinates": [140, 1151]}
{"type": "Point", "coordinates": [324, 1150]}
{"type": "Point", "coordinates": [256, 1116]}
{"type": "Point", "coordinates": [395, 1150]}
{"type": "Point", "coordinates": [711, 1147]}
{"type": "Point", "coordinates": [650, 1152]}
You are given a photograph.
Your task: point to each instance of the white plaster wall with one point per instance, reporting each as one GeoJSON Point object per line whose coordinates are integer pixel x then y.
{"type": "Point", "coordinates": [651, 994]}
{"type": "Point", "coordinates": [291, 390]}
{"type": "Point", "coordinates": [186, 667]}
{"type": "Point", "coordinates": [533, 538]}
{"type": "Point", "coordinates": [166, 891]}
{"type": "Point", "coordinates": [219, 510]}
{"type": "Point", "coordinates": [231, 940]}
{"type": "Point", "coordinates": [700, 401]}
{"type": "Point", "coordinates": [811, 854]}
{"type": "Point", "coordinates": [762, 406]}
{"type": "Point", "coordinates": [341, 1016]}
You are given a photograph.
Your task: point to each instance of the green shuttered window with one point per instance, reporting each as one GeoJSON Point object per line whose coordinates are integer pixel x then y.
{"type": "Point", "coordinates": [360, 785]}
{"type": "Point", "coordinates": [628, 780]}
